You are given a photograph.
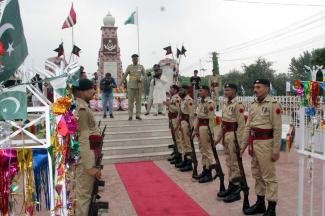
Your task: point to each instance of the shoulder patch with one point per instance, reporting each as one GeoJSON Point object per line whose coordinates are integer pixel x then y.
{"type": "Point", "coordinates": [278, 111]}
{"type": "Point", "coordinates": [241, 110]}
{"type": "Point", "coordinates": [211, 108]}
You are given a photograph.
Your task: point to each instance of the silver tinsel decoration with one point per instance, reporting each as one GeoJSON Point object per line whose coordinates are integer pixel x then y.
{"type": "Point", "coordinates": [5, 131]}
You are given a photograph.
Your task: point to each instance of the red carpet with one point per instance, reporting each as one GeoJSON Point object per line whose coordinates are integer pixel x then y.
{"type": "Point", "coordinates": [153, 193]}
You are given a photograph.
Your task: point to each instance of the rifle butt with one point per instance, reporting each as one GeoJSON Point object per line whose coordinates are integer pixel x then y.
{"type": "Point", "coordinates": [245, 202]}
{"type": "Point", "coordinates": [222, 184]}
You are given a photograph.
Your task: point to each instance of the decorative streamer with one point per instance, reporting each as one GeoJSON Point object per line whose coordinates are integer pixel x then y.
{"type": "Point", "coordinates": [25, 163]}
{"type": "Point", "coordinates": [41, 170]}
{"type": "Point", "coordinates": [8, 170]}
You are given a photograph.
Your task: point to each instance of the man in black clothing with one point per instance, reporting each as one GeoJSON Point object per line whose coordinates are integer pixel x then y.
{"type": "Point", "coordinates": [195, 82]}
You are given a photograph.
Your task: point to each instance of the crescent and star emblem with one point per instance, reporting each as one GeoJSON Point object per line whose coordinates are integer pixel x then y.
{"type": "Point", "coordinates": [11, 99]}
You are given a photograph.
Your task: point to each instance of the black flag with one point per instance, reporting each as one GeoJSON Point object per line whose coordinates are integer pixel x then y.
{"type": "Point", "coordinates": [168, 50]}
{"type": "Point", "coordinates": [75, 50]}
{"type": "Point", "coordinates": [183, 51]}
{"type": "Point", "coordinates": [178, 53]}
{"type": "Point", "coordinates": [60, 50]}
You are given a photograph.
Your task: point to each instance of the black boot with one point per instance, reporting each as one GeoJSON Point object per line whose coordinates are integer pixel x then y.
{"type": "Point", "coordinates": [270, 209]}
{"type": "Point", "coordinates": [207, 177]}
{"type": "Point", "coordinates": [234, 195]}
{"type": "Point", "coordinates": [171, 157]}
{"type": "Point", "coordinates": [180, 163]}
{"type": "Point", "coordinates": [187, 165]}
{"type": "Point", "coordinates": [258, 207]}
{"type": "Point", "coordinates": [176, 160]}
{"type": "Point", "coordinates": [201, 174]}
{"type": "Point", "coordinates": [226, 192]}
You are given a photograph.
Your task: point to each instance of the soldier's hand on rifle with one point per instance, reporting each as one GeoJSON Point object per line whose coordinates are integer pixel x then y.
{"type": "Point", "coordinates": [216, 142]}
{"type": "Point", "coordinates": [275, 156]}
{"type": "Point", "coordinates": [242, 152]}
{"type": "Point", "coordinates": [95, 172]}
{"type": "Point", "coordinates": [195, 133]}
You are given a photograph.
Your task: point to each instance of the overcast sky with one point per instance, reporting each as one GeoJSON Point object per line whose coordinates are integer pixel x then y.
{"type": "Point", "coordinates": [202, 26]}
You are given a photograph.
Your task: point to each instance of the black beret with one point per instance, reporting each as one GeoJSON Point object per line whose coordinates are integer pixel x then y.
{"type": "Point", "coordinates": [84, 85]}
{"type": "Point", "coordinates": [185, 87]}
{"type": "Point", "coordinates": [176, 87]}
{"type": "Point", "coordinates": [205, 87]}
{"type": "Point", "coordinates": [262, 81]}
{"type": "Point", "coordinates": [156, 67]}
{"type": "Point", "coordinates": [230, 85]}
{"type": "Point", "coordinates": [134, 55]}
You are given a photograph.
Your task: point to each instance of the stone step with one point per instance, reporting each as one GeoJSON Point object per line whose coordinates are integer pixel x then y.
{"type": "Point", "coordinates": [135, 157]}
{"type": "Point", "coordinates": [130, 127]}
{"type": "Point", "coordinates": [135, 149]}
{"type": "Point", "coordinates": [137, 134]}
{"type": "Point", "coordinates": [138, 149]}
{"type": "Point", "coordinates": [137, 141]}
{"type": "Point", "coordinates": [119, 122]}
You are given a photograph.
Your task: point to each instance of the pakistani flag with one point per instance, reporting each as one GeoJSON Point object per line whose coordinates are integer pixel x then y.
{"type": "Point", "coordinates": [12, 40]}
{"type": "Point", "coordinates": [133, 19]}
{"type": "Point", "coordinates": [13, 103]}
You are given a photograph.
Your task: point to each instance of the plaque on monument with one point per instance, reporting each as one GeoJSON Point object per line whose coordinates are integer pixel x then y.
{"type": "Point", "coordinates": [109, 45]}
{"type": "Point", "coordinates": [111, 67]}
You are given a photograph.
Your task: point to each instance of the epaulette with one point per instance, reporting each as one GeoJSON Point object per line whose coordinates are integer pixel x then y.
{"type": "Point", "coordinates": [82, 108]}
{"type": "Point", "coordinates": [239, 102]}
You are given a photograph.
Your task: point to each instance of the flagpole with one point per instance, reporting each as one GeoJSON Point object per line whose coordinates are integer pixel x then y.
{"type": "Point", "coordinates": [138, 31]}
{"type": "Point", "coordinates": [72, 39]}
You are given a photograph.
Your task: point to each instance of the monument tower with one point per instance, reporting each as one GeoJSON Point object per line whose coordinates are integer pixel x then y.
{"type": "Point", "coordinates": [109, 60]}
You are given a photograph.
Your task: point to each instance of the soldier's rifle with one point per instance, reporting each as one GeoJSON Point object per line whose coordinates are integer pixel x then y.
{"type": "Point", "coordinates": [217, 165]}
{"type": "Point", "coordinates": [176, 152]}
{"type": "Point", "coordinates": [95, 206]}
{"type": "Point", "coordinates": [242, 178]}
{"type": "Point", "coordinates": [194, 159]}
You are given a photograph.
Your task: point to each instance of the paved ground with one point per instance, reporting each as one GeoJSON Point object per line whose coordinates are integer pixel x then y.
{"type": "Point", "coordinates": [205, 194]}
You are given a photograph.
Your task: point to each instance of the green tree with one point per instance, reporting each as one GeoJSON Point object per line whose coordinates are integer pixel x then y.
{"type": "Point", "coordinates": [318, 57]}
{"type": "Point", "coordinates": [279, 83]}
{"type": "Point", "coordinates": [297, 66]}
{"type": "Point", "coordinates": [261, 69]}
{"type": "Point", "coordinates": [234, 76]}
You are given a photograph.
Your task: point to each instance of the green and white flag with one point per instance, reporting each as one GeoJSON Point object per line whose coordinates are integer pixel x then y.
{"type": "Point", "coordinates": [60, 85]}
{"type": "Point", "coordinates": [13, 103]}
{"type": "Point", "coordinates": [13, 47]}
{"type": "Point", "coordinates": [133, 19]}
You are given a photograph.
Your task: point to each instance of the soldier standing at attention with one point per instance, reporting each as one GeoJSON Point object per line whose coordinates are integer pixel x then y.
{"type": "Point", "coordinates": [263, 136]}
{"type": "Point", "coordinates": [135, 86]}
{"type": "Point", "coordinates": [173, 107]}
{"type": "Point", "coordinates": [86, 171]}
{"type": "Point", "coordinates": [232, 120]}
{"type": "Point", "coordinates": [205, 112]}
{"type": "Point", "coordinates": [185, 117]}
{"type": "Point", "coordinates": [214, 84]}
